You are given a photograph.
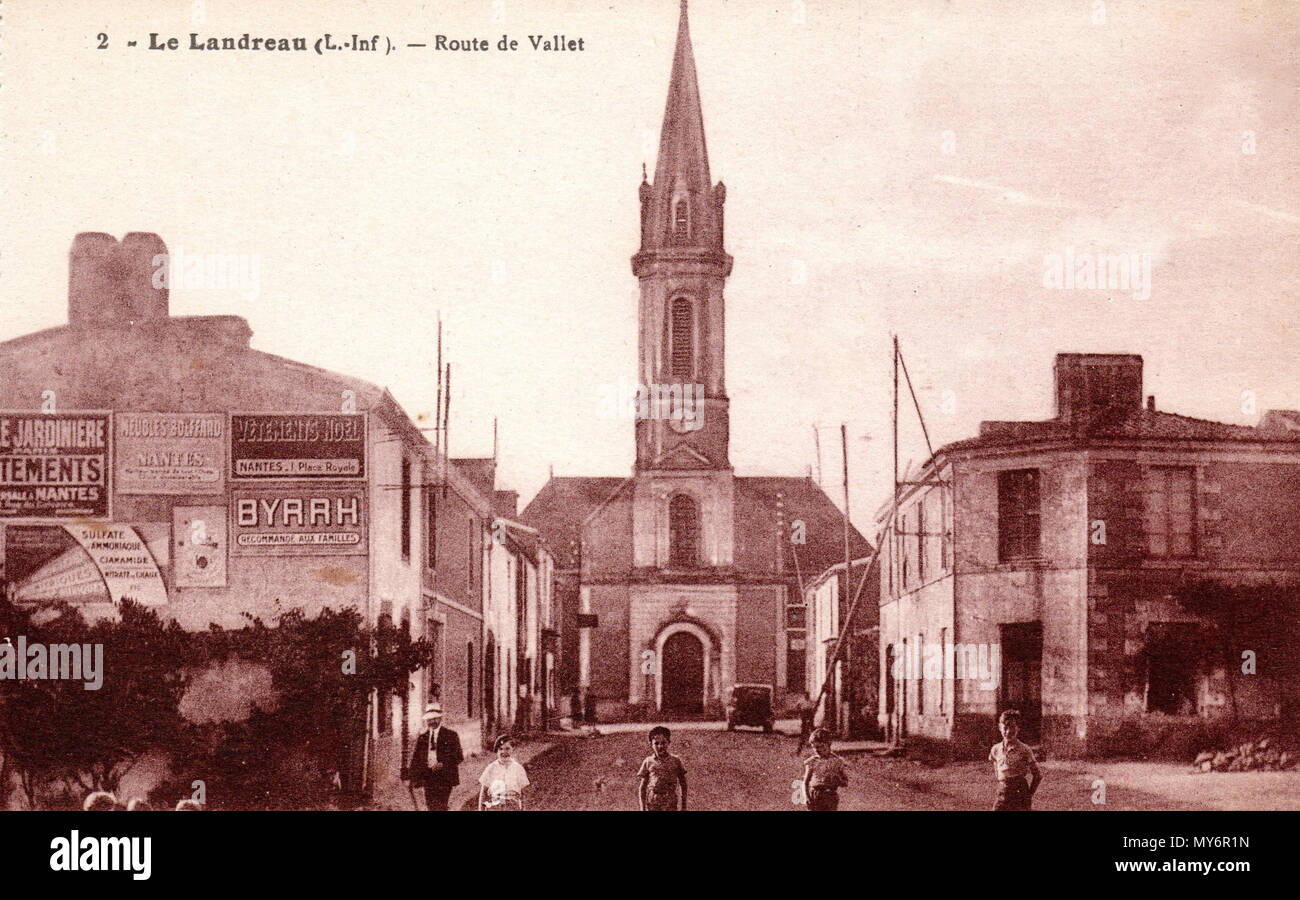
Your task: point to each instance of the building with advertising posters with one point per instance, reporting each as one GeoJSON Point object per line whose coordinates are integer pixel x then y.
{"type": "Point", "coordinates": [164, 460]}
{"type": "Point", "coordinates": [1067, 568]}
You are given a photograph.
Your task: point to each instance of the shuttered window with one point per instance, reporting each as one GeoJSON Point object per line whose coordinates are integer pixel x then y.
{"type": "Point", "coordinates": [1018, 514]}
{"type": "Point", "coordinates": [1170, 511]}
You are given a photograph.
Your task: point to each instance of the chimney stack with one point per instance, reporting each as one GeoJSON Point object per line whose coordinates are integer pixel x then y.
{"type": "Point", "coordinates": [1090, 384]}
{"type": "Point", "coordinates": [112, 284]}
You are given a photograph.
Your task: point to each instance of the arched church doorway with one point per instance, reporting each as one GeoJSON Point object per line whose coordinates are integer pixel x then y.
{"type": "Point", "coordinates": [682, 664]}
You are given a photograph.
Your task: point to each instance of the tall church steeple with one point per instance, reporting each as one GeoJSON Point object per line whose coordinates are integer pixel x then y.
{"type": "Point", "coordinates": [682, 267]}
{"type": "Point", "coordinates": [683, 208]}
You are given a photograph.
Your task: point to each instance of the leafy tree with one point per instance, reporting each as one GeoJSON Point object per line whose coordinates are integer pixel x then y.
{"type": "Point", "coordinates": [305, 752]}
{"type": "Point", "coordinates": [58, 730]}
{"type": "Point", "coordinates": [1263, 618]}
{"type": "Point", "coordinates": [299, 752]}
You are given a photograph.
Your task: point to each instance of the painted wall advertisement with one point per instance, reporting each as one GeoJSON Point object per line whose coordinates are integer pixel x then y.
{"type": "Point", "coordinates": [54, 465]}
{"type": "Point", "coordinates": [297, 445]}
{"type": "Point", "coordinates": [102, 561]}
{"type": "Point", "coordinates": [312, 519]}
{"type": "Point", "coordinates": [170, 453]}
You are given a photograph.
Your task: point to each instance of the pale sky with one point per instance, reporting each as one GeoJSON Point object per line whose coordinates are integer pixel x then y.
{"type": "Point", "coordinates": [893, 167]}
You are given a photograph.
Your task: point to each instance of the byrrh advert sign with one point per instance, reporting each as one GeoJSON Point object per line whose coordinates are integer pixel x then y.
{"type": "Point", "coordinates": [170, 453]}
{"type": "Point", "coordinates": [297, 445]}
{"type": "Point", "coordinates": [312, 520]}
{"type": "Point", "coordinates": [54, 465]}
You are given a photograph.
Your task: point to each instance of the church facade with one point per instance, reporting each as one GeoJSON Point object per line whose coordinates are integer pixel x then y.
{"type": "Point", "coordinates": [683, 579]}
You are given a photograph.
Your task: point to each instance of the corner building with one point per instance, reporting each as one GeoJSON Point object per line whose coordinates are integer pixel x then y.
{"type": "Point", "coordinates": [1042, 566]}
{"type": "Point", "coordinates": [165, 460]}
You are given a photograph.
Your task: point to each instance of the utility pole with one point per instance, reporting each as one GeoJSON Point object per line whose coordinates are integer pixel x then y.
{"type": "Point", "coordinates": [848, 569]}
{"type": "Point", "coordinates": [817, 442]}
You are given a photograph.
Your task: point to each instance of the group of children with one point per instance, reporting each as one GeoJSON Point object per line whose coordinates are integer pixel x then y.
{"type": "Point", "coordinates": [662, 775]}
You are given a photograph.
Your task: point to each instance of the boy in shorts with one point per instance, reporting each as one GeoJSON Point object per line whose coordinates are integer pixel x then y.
{"type": "Point", "coordinates": [1014, 765]}
{"type": "Point", "coordinates": [824, 774]}
{"type": "Point", "coordinates": [661, 774]}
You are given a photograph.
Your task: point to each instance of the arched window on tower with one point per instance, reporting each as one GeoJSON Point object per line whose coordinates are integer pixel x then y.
{"type": "Point", "coordinates": [681, 220]}
{"type": "Point", "coordinates": [683, 531]}
{"type": "Point", "coordinates": [683, 338]}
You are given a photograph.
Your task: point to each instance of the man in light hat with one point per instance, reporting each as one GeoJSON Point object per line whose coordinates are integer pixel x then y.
{"type": "Point", "coordinates": [435, 761]}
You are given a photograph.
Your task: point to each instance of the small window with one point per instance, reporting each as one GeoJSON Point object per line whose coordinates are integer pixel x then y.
{"type": "Point", "coordinates": [406, 509]}
{"type": "Point", "coordinates": [946, 526]}
{"type": "Point", "coordinates": [943, 668]}
{"type": "Point", "coordinates": [681, 220]}
{"type": "Point", "coordinates": [920, 682]}
{"type": "Point", "coordinates": [920, 542]}
{"type": "Point", "coordinates": [469, 679]}
{"type": "Point", "coordinates": [1170, 514]}
{"type": "Point", "coordinates": [469, 569]}
{"type": "Point", "coordinates": [432, 527]}
{"type": "Point", "coordinates": [1018, 514]}
{"type": "Point", "coordinates": [906, 548]}
{"type": "Point", "coordinates": [796, 662]}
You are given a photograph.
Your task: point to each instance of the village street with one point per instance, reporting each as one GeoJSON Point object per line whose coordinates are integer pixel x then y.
{"type": "Point", "coordinates": [749, 770]}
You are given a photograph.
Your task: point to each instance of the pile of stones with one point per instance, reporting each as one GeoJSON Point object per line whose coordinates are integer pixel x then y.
{"type": "Point", "coordinates": [1262, 755]}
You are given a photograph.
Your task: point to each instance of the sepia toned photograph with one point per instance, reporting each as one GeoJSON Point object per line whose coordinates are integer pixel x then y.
{"type": "Point", "coordinates": [550, 405]}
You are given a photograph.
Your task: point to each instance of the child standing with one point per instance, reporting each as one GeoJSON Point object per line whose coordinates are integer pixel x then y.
{"type": "Point", "coordinates": [1014, 765]}
{"type": "Point", "coordinates": [501, 786]}
{"type": "Point", "coordinates": [661, 775]}
{"type": "Point", "coordinates": [824, 774]}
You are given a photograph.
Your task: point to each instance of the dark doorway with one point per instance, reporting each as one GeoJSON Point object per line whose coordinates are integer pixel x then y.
{"type": "Point", "coordinates": [490, 683]}
{"type": "Point", "coordinates": [683, 675]}
{"type": "Point", "coordinates": [1022, 676]}
{"type": "Point", "coordinates": [1173, 667]}
{"type": "Point", "coordinates": [889, 683]}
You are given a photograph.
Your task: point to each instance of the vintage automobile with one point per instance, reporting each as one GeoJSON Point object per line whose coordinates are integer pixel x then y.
{"type": "Point", "coordinates": [750, 705]}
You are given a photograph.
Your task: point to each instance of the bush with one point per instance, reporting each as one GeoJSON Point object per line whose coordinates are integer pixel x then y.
{"type": "Point", "coordinates": [305, 752]}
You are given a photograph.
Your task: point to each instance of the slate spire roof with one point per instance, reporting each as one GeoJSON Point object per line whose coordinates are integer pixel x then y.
{"type": "Point", "coordinates": [682, 210]}
{"type": "Point", "coordinates": [682, 149]}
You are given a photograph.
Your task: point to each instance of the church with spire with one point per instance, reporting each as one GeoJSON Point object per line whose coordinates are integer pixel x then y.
{"type": "Point", "coordinates": [683, 579]}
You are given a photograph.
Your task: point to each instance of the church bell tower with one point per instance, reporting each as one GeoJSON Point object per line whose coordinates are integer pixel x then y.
{"type": "Point", "coordinates": [683, 417]}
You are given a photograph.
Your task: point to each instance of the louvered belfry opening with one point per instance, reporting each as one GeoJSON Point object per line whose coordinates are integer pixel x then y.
{"type": "Point", "coordinates": [684, 531]}
{"type": "Point", "coordinates": [683, 344]}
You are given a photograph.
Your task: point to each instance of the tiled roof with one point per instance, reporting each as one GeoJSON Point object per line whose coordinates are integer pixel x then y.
{"type": "Point", "coordinates": [802, 499]}
{"type": "Point", "coordinates": [559, 509]}
{"type": "Point", "coordinates": [1130, 424]}
{"type": "Point", "coordinates": [562, 505]}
